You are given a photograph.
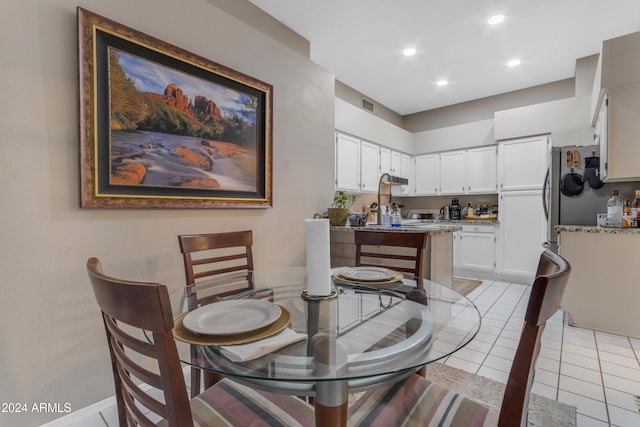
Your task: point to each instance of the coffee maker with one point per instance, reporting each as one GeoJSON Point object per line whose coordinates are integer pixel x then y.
{"type": "Point", "coordinates": [455, 209]}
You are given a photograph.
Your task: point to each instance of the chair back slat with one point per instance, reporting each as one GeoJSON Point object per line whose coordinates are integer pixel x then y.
{"type": "Point", "coordinates": [135, 392]}
{"type": "Point", "coordinates": [399, 251]}
{"type": "Point", "coordinates": [544, 301]}
{"type": "Point", "coordinates": [142, 307]}
{"type": "Point", "coordinates": [133, 368]}
{"type": "Point", "coordinates": [126, 340]}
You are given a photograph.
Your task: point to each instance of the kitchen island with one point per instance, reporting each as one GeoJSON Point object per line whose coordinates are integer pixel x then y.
{"type": "Point", "coordinates": [438, 255]}
{"type": "Point", "coordinates": [603, 291]}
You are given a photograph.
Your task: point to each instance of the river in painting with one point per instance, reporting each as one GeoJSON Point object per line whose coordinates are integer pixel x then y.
{"type": "Point", "coordinates": [233, 166]}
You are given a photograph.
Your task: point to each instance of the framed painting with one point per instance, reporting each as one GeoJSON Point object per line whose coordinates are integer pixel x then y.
{"type": "Point", "coordinates": [161, 127]}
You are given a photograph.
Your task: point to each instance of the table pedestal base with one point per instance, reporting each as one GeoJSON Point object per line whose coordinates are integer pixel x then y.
{"type": "Point", "coordinates": [331, 415]}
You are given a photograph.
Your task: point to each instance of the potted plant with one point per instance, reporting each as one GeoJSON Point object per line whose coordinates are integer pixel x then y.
{"type": "Point", "coordinates": [339, 210]}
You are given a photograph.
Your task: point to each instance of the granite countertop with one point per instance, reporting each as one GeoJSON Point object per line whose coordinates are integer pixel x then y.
{"type": "Point", "coordinates": [429, 226]}
{"type": "Point", "coordinates": [461, 221]}
{"type": "Point", "coordinates": [594, 229]}
{"type": "Point", "coordinates": [430, 229]}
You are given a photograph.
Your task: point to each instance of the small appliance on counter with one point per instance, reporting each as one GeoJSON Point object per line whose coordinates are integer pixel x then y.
{"type": "Point", "coordinates": [424, 214]}
{"type": "Point", "coordinates": [455, 209]}
{"type": "Point", "coordinates": [445, 212]}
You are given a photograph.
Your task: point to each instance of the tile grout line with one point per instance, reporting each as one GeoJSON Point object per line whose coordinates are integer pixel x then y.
{"type": "Point", "coordinates": [604, 392]}
{"type": "Point", "coordinates": [103, 419]}
{"type": "Point", "coordinates": [493, 345]}
{"type": "Point", "coordinates": [564, 322]}
{"type": "Point", "coordinates": [481, 318]}
{"type": "Point", "coordinates": [637, 355]}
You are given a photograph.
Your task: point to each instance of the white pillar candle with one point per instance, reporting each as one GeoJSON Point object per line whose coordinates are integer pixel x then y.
{"type": "Point", "coordinates": [318, 257]}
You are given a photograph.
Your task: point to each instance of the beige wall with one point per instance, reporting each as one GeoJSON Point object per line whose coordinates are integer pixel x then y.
{"type": "Point", "coordinates": [52, 345]}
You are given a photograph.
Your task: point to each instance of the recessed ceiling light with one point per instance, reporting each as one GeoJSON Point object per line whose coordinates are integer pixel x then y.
{"type": "Point", "coordinates": [496, 19]}
{"type": "Point", "coordinates": [442, 82]}
{"type": "Point", "coordinates": [513, 63]}
{"type": "Point", "coordinates": [409, 51]}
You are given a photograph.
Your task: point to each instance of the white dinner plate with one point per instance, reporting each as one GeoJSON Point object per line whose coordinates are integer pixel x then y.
{"type": "Point", "coordinates": [232, 317]}
{"type": "Point", "coordinates": [367, 274]}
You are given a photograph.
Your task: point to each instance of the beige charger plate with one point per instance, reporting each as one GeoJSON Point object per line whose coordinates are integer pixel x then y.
{"type": "Point", "coordinates": [398, 277]}
{"type": "Point", "coordinates": [183, 334]}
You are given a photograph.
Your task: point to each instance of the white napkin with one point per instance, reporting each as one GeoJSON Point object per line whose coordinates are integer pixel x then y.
{"type": "Point", "coordinates": [253, 350]}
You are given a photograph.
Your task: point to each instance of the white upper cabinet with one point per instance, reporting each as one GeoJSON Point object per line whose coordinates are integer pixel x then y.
{"type": "Point", "coordinates": [385, 160]}
{"type": "Point", "coordinates": [360, 163]}
{"type": "Point", "coordinates": [522, 163]}
{"type": "Point", "coordinates": [619, 147]}
{"type": "Point", "coordinates": [370, 167]}
{"type": "Point", "coordinates": [396, 164]}
{"type": "Point", "coordinates": [347, 162]}
{"type": "Point", "coordinates": [408, 171]}
{"type": "Point", "coordinates": [470, 171]}
{"type": "Point", "coordinates": [482, 170]}
{"type": "Point", "coordinates": [453, 172]}
{"type": "Point", "coordinates": [390, 161]}
{"type": "Point", "coordinates": [427, 173]}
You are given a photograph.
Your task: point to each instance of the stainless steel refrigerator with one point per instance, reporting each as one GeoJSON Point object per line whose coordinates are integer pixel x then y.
{"type": "Point", "coordinates": [564, 202]}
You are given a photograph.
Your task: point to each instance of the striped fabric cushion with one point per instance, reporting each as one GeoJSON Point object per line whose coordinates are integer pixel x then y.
{"type": "Point", "coordinates": [418, 402]}
{"type": "Point", "coordinates": [228, 403]}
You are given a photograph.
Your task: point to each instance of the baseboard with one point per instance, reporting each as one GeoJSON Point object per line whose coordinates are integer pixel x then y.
{"type": "Point", "coordinates": [490, 275]}
{"type": "Point", "coordinates": [83, 413]}
{"type": "Point", "coordinates": [94, 408]}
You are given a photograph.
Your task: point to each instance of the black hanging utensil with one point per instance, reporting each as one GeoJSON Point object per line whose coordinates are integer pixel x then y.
{"type": "Point", "coordinates": [592, 171]}
{"type": "Point", "coordinates": [571, 184]}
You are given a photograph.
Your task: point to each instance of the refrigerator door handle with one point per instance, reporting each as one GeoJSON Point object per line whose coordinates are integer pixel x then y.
{"type": "Point", "coordinates": [544, 195]}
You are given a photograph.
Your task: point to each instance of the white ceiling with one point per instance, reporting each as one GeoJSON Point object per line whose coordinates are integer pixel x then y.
{"type": "Point", "coordinates": [361, 42]}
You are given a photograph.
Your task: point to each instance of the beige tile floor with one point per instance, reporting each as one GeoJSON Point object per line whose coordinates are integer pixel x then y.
{"type": "Point", "coordinates": [599, 373]}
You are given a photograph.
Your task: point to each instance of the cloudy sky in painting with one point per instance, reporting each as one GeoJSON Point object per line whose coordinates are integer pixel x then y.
{"type": "Point", "coordinates": [152, 77]}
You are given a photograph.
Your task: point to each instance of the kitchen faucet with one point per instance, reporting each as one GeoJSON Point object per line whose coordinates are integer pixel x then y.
{"type": "Point", "coordinates": [391, 180]}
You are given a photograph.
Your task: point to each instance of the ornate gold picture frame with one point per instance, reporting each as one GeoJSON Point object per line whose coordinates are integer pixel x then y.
{"type": "Point", "coordinates": [161, 127]}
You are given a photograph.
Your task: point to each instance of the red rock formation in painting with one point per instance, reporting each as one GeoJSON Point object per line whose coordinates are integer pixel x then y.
{"type": "Point", "coordinates": [202, 158]}
{"type": "Point", "coordinates": [208, 183]}
{"type": "Point", "coordinates": [200, 112]}
{"type": "Point", "coordinates": [174, 97]}
{"type": "Point", "coordinates": [128, 174]}
{"type": "Point", "coordinates": [207, 110]}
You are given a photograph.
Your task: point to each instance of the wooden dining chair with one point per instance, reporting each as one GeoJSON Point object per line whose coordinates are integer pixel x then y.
{"type": "Point", "coordinates": [209, 257]}
{"type": "Point", "coordinates": [418, 401]}
{"type": "Point", "coordinates": [140, 366]}
{"type": "Point", "coordinates": [216, 265]}
{"type": "Point", "coordinates": [399, 251]}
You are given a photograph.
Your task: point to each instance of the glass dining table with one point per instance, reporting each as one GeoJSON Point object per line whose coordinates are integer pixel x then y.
{"type": "Point", "coordinates": [361, 336]}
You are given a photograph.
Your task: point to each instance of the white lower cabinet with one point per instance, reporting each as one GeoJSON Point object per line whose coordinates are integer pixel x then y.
{"type": "Point", "coordinates": [522, 232]}
{"type": "Point", "coordinates": [474, 248]}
